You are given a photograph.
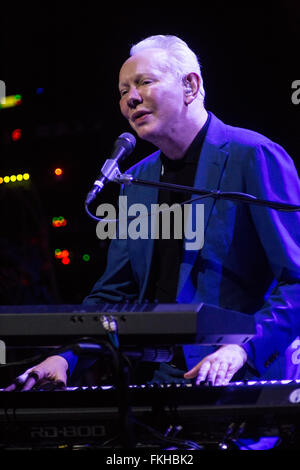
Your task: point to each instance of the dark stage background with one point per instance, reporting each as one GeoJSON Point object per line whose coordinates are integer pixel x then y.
{"type": "Point", "coordinates": [63, 59]}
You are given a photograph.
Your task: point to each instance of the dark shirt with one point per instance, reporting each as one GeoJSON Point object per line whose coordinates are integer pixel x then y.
{"type": "Point", "coordinates": [167, 256]}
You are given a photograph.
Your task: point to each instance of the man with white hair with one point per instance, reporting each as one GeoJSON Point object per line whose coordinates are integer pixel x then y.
{"type": "Point", "coordinates": [250, 261]}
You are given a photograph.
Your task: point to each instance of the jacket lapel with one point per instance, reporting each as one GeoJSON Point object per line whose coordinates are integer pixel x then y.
{"type": "Point", "coordinates": [208, 177]}
{"type": "Point", "coordinates": [147, 195]}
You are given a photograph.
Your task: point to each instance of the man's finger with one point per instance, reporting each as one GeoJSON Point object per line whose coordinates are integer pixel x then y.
{"type": "Point", "coordinates": [18, 383]}
{"type": "Point", "coordinates": [230, 373]}
{"type": "Point", "coordinates": [213, 371]}
{"type": "Point", "coordinates": [192, 372]}
{"type": "Point", "coordinates": [32, 380]}
{"type": "Point", "coordinates": [10, 388]}
{"type": "Point", "coordinates": [202, 373]}
{"type": "Point", "coordinates": [221, 375]}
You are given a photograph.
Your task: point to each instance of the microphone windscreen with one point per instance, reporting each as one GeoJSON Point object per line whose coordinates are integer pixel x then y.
{"type": "Point", "coordinates": [128, 140]}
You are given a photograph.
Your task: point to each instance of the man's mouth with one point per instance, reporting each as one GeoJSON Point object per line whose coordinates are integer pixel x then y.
{"type": "Point", "coordinates": [139, 116]}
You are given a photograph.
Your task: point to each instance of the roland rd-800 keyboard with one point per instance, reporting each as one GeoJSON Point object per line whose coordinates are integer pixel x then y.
{"type": "Point", "coordinates": [204, 414]}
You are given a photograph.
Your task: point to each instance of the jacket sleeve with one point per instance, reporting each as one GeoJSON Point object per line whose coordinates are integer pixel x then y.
{"type": "Point", "coordinates": [117, 284]}
{"type": "Point", "coordinates": [271, 175]}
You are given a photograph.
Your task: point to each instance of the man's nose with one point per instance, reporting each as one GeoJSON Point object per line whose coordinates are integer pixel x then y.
{"type": "Point", "coordinates": [133, 98]}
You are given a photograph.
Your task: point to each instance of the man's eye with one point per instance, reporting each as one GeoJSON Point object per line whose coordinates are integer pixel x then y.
{"type": "Point", "coordinates": [123, 92]}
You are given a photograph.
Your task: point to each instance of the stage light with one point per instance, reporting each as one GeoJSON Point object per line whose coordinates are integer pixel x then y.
{"type": "Point", "coordinates": [86, 257]}
{"type": "Point", "coordinates": [63, 255]}
{"type": "Point", "coordinates": [59, 222]}
{"type": "Point", "coordinates": [16, 134]}
{"type": "Point", "coordinates": [1, 180]}
{"type": "Point", "coordinates": [57, 253]}
{"type": "Point", "coordinates": [58, 171]}
{"type": "Point", "coordinates": [15, 178]}
{"type": "Point", "coordinates": [10, 101]}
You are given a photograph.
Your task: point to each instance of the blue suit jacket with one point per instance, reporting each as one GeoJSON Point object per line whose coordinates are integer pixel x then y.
{"type": "Point", "coordinates": [250, 261]}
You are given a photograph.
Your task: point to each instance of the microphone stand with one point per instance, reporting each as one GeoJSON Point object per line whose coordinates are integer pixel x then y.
{"type": "Point", "coordinates": [111, 172]}
{"type": "Point", "coordinates": [117, 177]}
{"type": "Point", "coordinates": [233, 196]}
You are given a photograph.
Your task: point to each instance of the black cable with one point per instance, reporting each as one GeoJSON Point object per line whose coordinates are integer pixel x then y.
{"type": "Point", "coordinates": [170, 440]}
{"type": "Point", "coordinates": [121, 382]}
{"type": "Point", "coordinates": [75, 347]}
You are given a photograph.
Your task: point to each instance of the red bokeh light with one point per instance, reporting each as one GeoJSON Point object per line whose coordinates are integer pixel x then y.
{"type": "Point", "coordinates": [16, 134]}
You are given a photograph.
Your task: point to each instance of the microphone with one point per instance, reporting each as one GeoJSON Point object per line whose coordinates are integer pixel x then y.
{"type": "Point", "coordinates": [123, 146]}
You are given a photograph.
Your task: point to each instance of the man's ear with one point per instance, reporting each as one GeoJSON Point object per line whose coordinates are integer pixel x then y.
{"type": "Point", "coordinates": [191, 85]}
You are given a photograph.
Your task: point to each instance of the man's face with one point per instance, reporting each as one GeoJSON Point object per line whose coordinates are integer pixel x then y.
{"type": "Point", "coordinates": [152, 97]}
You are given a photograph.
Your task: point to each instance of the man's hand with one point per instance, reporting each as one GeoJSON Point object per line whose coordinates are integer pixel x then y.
{"type": "Point", "coordinates": [219, 367]}
{"type": "Point", "coordinates": [53, 369]}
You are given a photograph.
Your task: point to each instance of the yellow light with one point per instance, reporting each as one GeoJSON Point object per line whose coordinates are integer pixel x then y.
{"type": "Point", "coordinates": [13, 178]}
{"type": "Point", "coordinates": [10, 101]}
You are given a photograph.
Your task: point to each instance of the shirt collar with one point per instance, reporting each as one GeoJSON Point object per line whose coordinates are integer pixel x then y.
{"type": "Point", "coordinates": [193, 151]}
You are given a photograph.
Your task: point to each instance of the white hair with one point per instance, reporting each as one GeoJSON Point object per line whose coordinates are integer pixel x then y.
{"type": "Point", "coordinates": [182, 59]}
